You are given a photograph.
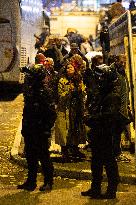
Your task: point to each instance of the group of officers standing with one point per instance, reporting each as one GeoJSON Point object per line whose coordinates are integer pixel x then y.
{"type": "Point", "coordinates": [63, 89]}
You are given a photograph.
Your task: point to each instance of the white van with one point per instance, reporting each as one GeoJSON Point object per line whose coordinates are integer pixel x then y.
{"type": "Point", "coordinates": [19, 21]}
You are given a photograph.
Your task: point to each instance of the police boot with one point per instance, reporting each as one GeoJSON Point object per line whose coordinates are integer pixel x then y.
{"type": "Point", "coordinates": [28, 185]}
{"type": "Point", "coordinates": [93, 192]}
{"type": "Point", "coordinates": [111, 192]}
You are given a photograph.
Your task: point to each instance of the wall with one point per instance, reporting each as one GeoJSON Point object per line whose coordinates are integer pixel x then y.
{"type": "Point", "coordinates": [85, 25]}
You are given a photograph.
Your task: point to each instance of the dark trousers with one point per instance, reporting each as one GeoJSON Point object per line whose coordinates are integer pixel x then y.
{"type": "Point", "coordinates": [103, 155]}
{"type": "Point", "coordinates": [35, 151]}
{"type": "Point", "coordinates": [111, 167]}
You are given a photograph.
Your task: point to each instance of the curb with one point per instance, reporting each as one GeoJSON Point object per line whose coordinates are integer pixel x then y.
{"type": "Point", "coordinates": [76, 174]}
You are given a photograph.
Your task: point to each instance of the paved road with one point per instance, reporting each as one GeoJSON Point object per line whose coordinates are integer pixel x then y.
{"type": "Point", "coordinates": [10, 114]}
{"type": "Point", "coordinates": [65, 191]}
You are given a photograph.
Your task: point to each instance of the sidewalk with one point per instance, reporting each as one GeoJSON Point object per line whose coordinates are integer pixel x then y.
{"type": "Point", "coordinates": [81, 169]}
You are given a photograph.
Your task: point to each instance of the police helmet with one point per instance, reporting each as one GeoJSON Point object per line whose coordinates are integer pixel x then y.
{"type": "Point", "coordinates": [104, 72]}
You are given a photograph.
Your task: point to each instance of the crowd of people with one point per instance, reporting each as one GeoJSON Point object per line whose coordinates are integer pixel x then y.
{"type": "Point", "coordinates": [64, 91]}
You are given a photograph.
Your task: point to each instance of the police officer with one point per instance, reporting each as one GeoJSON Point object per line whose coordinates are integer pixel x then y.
{"type": "Point", "coordinates": [38, 119]}
{"type": "Point", "coordinates": [107, 116]}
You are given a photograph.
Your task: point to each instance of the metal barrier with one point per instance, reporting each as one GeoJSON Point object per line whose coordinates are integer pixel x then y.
{"type": "Point", "coordinates": [123, 41]}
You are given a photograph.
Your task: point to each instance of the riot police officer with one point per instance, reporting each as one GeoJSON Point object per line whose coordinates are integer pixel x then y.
{"type": "Point", "coordinates": [107, 116]}
{"type": "Point", "coordinates": [38, 118]}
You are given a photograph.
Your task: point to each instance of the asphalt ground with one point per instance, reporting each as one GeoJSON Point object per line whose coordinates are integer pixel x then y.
{"type": "Point", "coordinates": [80, 168]}
{"type": "Point", "coordinates": [10, 117]}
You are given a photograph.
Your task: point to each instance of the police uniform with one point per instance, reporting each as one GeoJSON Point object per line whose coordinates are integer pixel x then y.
{"type": "Point", "coordinates": [107, 118]}
{"type": "Point", "coordinates": [38, 119]}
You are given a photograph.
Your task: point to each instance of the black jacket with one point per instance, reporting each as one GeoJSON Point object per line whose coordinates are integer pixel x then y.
{"type": "Point", "coordinates": [39, 106]}
{"type": "Point", "coordinates": [109, 105]}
